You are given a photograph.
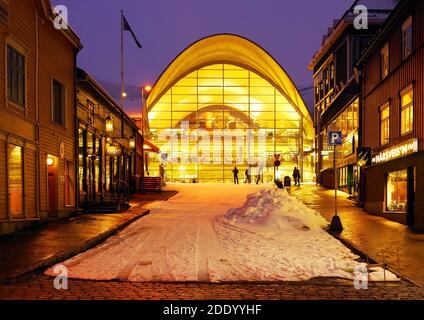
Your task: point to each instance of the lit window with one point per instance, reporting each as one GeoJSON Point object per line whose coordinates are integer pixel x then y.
{"type": "Point", "coordinates": [15, 76]}
{"type": "Point", "coordinates": [407, 38]}
{"type": "Point", "coordinates": [15, 166]}
{"type": "Point", "coordinates": [397, 191]}
{"type": "Point", "coordinates": [384, 60]}
{"type": "Point", "coordinates": [385, 124]}
{"type": "Point", "coordinates": [59, 113]}
{"type": "Point", "coordinates": [407, 111]}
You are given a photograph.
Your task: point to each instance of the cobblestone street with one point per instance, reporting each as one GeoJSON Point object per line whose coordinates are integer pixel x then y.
{"type": "Point", "coordinates": [38, 286]}
{"type": "Point", "coordinates": [41, 288]}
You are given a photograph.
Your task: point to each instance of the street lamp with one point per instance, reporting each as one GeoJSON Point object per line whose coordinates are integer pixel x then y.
{"type": "Point", "coordinates": [109, 124]}
{"type": "Point", "coordinates": [145, 90]}
{"type": "Point", "coordinates": [132, 142]}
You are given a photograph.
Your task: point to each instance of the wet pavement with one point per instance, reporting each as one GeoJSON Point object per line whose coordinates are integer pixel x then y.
{"type": "Point", "coordinates": [57, 240]}
{"type": "Point", "coordinates": [382, 240]}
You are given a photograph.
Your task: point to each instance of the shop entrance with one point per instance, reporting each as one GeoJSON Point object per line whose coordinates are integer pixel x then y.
{"type": "Point", "coordinates": [400, 196]}
{"type": "Point", "coordinates": [410, 216]}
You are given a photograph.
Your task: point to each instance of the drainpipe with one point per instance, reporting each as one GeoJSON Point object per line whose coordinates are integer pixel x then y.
{"type": "Point", "coordinates": [37, 115]}
{"type": "Point", "coordinates": [76, 124]}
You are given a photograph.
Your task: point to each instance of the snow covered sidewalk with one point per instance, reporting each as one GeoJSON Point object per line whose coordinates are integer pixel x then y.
{"type": "Point", "coordinates": [196, 236]}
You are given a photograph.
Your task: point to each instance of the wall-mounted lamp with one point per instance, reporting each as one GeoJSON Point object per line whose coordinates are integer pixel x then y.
{"type": "Point", "coordinates": [132, 142]}
{"type": "Point", "coordinates": [50, 161]}
{"type": "Point", "coordinates": [109, 124]}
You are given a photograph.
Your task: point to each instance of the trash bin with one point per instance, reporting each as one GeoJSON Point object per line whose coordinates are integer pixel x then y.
{"type": "Point", "coordinates": [279, 184]}
{"type": "Point", "coordinates": [287, 182]}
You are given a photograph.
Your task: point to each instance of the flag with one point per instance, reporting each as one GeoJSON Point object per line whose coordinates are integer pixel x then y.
{"type": "Point", "coordinates": [126, 27]}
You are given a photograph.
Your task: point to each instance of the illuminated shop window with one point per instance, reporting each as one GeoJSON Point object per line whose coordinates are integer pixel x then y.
{"type": "Point", "coordinates": [15, 182]}
{"type": "Point", "coordinates": [397, 191]}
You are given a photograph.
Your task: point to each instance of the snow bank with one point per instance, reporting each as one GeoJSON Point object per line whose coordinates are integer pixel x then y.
{"type": "Point", "coordinates": [276, 208]}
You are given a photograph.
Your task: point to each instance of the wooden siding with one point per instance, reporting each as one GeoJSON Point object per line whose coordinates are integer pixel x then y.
{"type": "Point", "coordinates": [376, 92]}
{"type": "Point", "coordinates": [402, 74]}
{"type": "Point", "coordinates": [56, 59]}
{"type": "Point", "coordinates": [3, 175]}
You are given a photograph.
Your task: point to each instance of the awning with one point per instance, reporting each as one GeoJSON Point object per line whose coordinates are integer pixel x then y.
{"type": "Point", "coordinates": [150, 147]}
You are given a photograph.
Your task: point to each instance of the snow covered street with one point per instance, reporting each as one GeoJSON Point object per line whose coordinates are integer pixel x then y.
{"type": "Point", "coordinates": [195, 236]}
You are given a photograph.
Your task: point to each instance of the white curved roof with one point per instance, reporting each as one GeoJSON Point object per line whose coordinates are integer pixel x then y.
{"type": "Point", "coordinates": [232, 49]}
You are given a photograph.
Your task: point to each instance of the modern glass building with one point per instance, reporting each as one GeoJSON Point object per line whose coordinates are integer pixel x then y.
{"type": "Point", "coordinates": [225, 102]}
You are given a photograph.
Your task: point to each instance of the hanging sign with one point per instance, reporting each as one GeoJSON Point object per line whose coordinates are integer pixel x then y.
{"type": "Point", "coordinates": [113, 151]}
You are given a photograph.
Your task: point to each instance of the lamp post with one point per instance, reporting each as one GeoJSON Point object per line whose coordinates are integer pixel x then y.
{"type": "Point", "coordinates": [145, 90]}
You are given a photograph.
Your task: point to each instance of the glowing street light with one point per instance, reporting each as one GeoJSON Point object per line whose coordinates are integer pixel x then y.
{"type": "Point", "coordinates": [109, 124]}
{"type": "Point", "coordinates": [132, 142]}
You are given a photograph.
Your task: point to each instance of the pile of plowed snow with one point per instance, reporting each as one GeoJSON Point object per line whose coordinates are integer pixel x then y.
{"type": "Point", "coordinates": [276, 208]}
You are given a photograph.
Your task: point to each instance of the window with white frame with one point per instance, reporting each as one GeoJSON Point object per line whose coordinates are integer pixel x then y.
{"type": "Point", "coordinates": [16, 180]}
{"type": "Point", "coordinates": [407, 38]}
{"type": "Point", "coordinates": [407, 110]}
{"type": "Point", "coordinates": [59, 108]}
{"type": "Point", "coordinates": [15, 76]}
{"type": "Point", "coordinates": [384, 61]}
{"type": "Point", "coordinates": [385, 124]}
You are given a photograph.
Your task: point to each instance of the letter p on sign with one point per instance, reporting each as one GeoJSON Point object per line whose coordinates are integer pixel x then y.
{"type": "Point", "coordinates": [335, 138]}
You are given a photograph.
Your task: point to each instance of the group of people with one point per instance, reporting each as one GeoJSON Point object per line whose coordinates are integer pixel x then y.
{"type": "Point", "coordinates": [248, 176]}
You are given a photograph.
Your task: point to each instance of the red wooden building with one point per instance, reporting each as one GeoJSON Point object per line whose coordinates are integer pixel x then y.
{"type": "Point", "coordinates": [393, 116]}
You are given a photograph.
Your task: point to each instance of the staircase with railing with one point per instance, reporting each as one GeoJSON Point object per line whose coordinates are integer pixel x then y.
{"type": "Point", "coordinates": [153, 184]}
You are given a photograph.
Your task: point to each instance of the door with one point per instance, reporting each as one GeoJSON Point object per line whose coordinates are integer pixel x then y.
{"type": "Point", "coordinates": [410, 217]}
{"type": "Point", "coordinates": [52, 165]}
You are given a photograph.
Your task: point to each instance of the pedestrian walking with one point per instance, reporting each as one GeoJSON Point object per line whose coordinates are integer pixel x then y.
{"type": "Point", "coordinates": [247, 176]}
{"type": "Point", "coordinates": [296, 176]}
{"type": "Point", "coordinates": [235, 173]}
{"type": "Point", "coordinates": [258, 174]}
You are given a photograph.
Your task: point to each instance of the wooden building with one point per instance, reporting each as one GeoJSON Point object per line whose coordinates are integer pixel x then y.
{"type": "Point", "coordinates": [337, 92]}
{"type": "Point", "coordinates": [37, 115]}
{"type": "Point", "coordinates": [393, 116]}
{"type": "Point", "coordinates": [110, 149]}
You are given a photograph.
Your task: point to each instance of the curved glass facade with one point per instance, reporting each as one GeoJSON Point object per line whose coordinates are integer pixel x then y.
{"type": "Point", "coordinates": [223, 115]}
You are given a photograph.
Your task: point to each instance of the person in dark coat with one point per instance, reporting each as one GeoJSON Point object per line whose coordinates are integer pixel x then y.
{"type": "Point", "coordinates": [296, 176]}
{"type": "Point", "coordinates": [247, 174]}
{"type": "Point", "coordinates": [235, 173]}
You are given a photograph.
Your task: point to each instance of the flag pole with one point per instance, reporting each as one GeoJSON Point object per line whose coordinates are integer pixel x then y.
{"type": "Point", "coordinates": [122, 60]}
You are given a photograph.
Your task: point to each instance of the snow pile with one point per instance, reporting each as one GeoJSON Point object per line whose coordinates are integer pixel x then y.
{"type": "Point", "coordinates": [276, 208]}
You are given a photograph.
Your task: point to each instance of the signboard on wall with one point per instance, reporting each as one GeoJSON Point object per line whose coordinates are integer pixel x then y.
{"type": "Point", "coordinates": [395, 152]}
{"type": "Point", "coordinates": [113, 151]}
{"type": "Point", "coordinates": [349, 146]}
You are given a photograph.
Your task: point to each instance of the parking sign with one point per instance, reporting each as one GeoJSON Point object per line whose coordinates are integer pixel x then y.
{"type": "Point", "coordinates": [335, 138]}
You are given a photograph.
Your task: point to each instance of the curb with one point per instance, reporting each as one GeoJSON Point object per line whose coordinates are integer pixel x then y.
{"type": "Point", "coordinates": [66, 254]}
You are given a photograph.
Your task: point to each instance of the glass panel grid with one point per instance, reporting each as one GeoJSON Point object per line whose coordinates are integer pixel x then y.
{"type": "Point", "coordinates": [224, 97]}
